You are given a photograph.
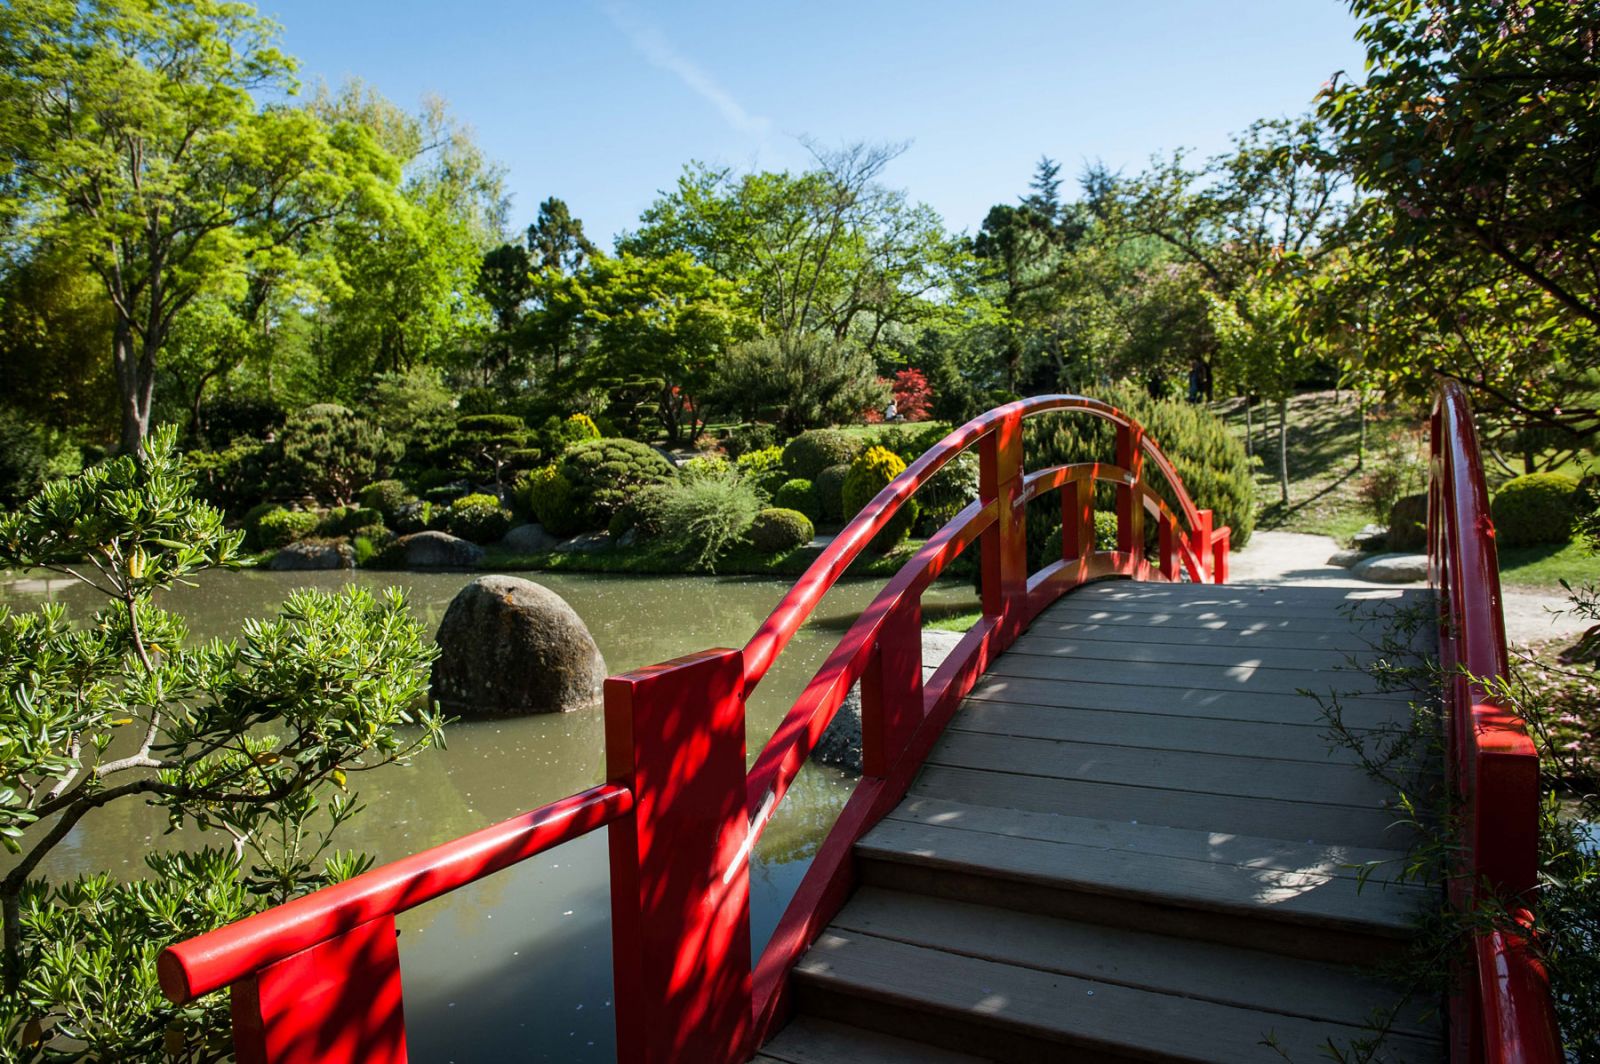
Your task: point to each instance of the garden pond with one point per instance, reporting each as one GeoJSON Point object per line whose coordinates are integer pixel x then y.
{"type": "Point", "coordinates": [518, 966]}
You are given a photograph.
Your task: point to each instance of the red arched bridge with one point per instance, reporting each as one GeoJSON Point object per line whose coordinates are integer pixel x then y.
{"type": "Point", "coordinates": [1105, 827]}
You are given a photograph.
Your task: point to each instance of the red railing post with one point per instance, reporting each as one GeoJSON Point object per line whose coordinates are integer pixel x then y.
{"type": "Point", "coordinates": [1219, 555]}
{"type": "Point", "coordinates": [1200, 541]}
{"type": "Point", "coordinates": [680, 879]}
{"type": "Point", "coordinates": [338, 1002]}
{"type": "Point", "coordinates": [1167, 530]}
{"type": "Point", "coordinates": [891, 691]}
{"type": "Point", "coordinates": [1130, 507]}
{"type": "Point", "coordinates": [1004, 544]}
{"type": "Point", "coordinates": [1077, 518]}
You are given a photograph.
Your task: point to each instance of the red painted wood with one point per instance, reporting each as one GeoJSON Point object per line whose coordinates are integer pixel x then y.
{"type": "Point", "coordinates": [228, 954]}
{"type": "Point", "coordinates": [680, 880]}
{"type": "Point", "coordinates": [338, 1002]}
{"type": "Point", "coordinates": [1200, 545]}
{"type": "Point", "coordinates": [1004, 563]}
{"type": "Point", "coordinates": [1504, 1012]}
{"type": "Point", "coordinates": [1130, 511]}
{"type": "Point", "coordinates": [891, 690]}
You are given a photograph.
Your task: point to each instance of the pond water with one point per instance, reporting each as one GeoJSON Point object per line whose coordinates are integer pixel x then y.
{"type": "Point", "coordinates": [518, 966]}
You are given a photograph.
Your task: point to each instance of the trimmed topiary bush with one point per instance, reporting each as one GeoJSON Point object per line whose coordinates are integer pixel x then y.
{"type": "Point", "coordinates": [829, 487]}
{"type": "Point", "coordinates": [705, 465]}
{"type": "Point", "coordinates": [800, 495]}
{"type": "Point", "coordinates": [385, 496]}
{"type": "Point", "coordinates": [868, 475]}
{"type": "Point", "coordinates": [779, 530]}
{"type": "Point", "coordinates": [1534, 509]}
{"type": "Point", "coordinates": [280, 527]}
{"type": "Point", "coordinates": [950, 490]}
{"type": "Point", "coordinates": [479, 518]}
{"type": "Point", "coordinates": [604, 472]}
{"type": "Point", "coordinates": [811, 452]}
{"type": "Point", "coordinates": [702, 518]}
{"type": "Point", "coordinates": [763, 468]}
{"type": "Point", "coordinates": [547, 493]}
{"type": "Point", "coordinates": [755, 436]}
{"type": "Point", "coordinates": [330, 452]}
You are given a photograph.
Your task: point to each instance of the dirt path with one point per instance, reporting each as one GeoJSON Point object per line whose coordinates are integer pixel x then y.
{"type": "Point", "coordinates": [1298, 558]}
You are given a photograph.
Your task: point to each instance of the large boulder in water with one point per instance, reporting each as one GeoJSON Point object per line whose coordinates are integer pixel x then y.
{"type": "Point", "coordinates": [436, 550]}
{"type": "Point", "coordinates": [509, 646]}
{"type": "Point", "coordinates": [314, 554]}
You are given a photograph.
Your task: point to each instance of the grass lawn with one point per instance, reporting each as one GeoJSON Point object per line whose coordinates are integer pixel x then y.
{"type": "Point", "coordinates": [1545, 567]}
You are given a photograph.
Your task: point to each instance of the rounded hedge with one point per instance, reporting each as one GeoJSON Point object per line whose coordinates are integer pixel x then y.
{"type": "Point", "coordinates": [547, 494]}
{"type": "Point", "coordinates": [603, 473]}
{"type": "Point", "coordinates": [829, 486]}
{"type": "Point", "coordinates": [385, 496]}
{"type": "Point", "coordinates": [799, 495]}
{"type": "Point", "coordinates": [811, 452]}
{"type": "Point", "coordinates": [868, 475]}
{"type": "Point", "coordinates": [1105, 536]}
{"type": "Point", "coordinates": [1534, 509]}
{"type": "Point", "coordinates": [279, 528]}
{"type": "Point", "coordinates": [479, 518]}
{"type": "Point", "coordinates": [779, 530]}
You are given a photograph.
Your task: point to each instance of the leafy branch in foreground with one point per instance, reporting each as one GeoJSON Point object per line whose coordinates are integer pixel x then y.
{"type": "Point", "coordinates": [252, 738]}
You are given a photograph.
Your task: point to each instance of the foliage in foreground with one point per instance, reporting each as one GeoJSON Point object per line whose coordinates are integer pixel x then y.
{"type": "Point", "coordinates": [251, 738]}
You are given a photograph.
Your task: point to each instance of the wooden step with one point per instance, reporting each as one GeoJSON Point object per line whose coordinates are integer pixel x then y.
{"type": "Point", "coordinates": [1255, 893]}
{"type": "Point", "coordinates": [807, 1040]}
{"type": "Point", "coordinates": [999, 1003]}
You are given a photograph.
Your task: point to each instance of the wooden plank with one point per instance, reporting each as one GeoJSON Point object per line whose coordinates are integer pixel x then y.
{"type": "Point", "coordinates": [1190, 844]}
{"type": "Point", "coordinates": [1066, 1010]}
{"type": "Point", "coordinates": [1219, 636]}
{"type": "Point", "coordinates": [1150, 674]}
{"type": "Point", "coordinates": [1227, 705]}
{"type": "Point", "coordinates": [1152, 731]}
{"type": "Point", "coordinates": [807, 1040]}
{"type": "Point", "coordinates": [1312, 990]}
{"type": "Point", "coordinates": [1314, 822]}
{"type": "Point", "coordinates": [1257, 596]}
{"type": "Point", "coordinates": [1312, 896]}
{"type": "Point", "coordinates": [1346, 785]}
{"type": "Point", "coordinates": [1232, 618]}
{"type": "Point", "coordinates": [1055, 644]}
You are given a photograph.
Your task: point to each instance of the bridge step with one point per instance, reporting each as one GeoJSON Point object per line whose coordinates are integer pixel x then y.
{"type": "Point", "coordinates": [814, 1041]}
{"type": "Point", "coordinates": [1135, 842]}
{"type": "Point", "coordinates": [1021, 987]}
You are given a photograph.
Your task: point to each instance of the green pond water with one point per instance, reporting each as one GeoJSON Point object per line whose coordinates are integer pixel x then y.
{"type": "Point", "coordinates": [518, 966]}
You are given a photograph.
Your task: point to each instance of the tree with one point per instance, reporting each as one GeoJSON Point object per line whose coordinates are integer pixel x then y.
{"type": "Point", "coordinates": [331, 453]}
{"type": "Point", "coordinates": [556, 240]}
{"type": "Point", "coordinates": [135, 141]}
{"type": "Point", "coordinates": [801, 382]}
{"type": "Point", "coordinates": [1476, 251]}
{"type": "Point", "coordinates": [253, 739]}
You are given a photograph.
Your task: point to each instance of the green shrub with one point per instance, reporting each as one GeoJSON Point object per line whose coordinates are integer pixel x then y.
{"type": "Point", "coordinates": [644, 512]}
{"type": "Point", "coordinates": [829, 486]}
{"type": "Point", "coordinates": [1210, 461]}
{"type": "Point", "coordinates": [479, 518]}
{"type": "Point", "coordinates": [1534, 509]}
{"type": "Point", "coordinates": [753, 437]}
{"type": "Point", "coordinates": [811, 452]}
{"type": "Point", "coordinates": [489, 447]}
{"type": "Point", "coordinates": [763, 468]}
{"type": "Point", "coordinates": [604, 472]}
{"type": "Point", "coordinates": [385, 496]}
{"type": "Point", "coordinates": [419, 515]}
{"type": "Point", "coordinates": [341, 520]}
{"type": "Point", "coordinates": [1105, 536]}
{"type": "Point", "coordinates": [239, 475]}
{"type": "Point", "coordinates": [868, 475]}
{"type": "Point", "coordinates": [703, 518]}
{"type": "Point", "coordinates": [779, 531]}
{"type": "Point", "coordinates": [706, 465]}
{"type": "Point", "coordinates": [331, 453]}
{"type": "Point", "coordinates": [798, 494]}
{"type": "Point", "coordinates": [547, 493]}
{"type": "Point", "coordinates": [280, 527]}
{"type": "Point", "coordinates": [30, 455]}
{"type": "Point", "coordinates": [950, 490]}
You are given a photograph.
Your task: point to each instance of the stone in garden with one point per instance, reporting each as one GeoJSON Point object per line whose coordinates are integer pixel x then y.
{"type": "Point", "coordinates": [1393, 568]}
{"type": "Point", "coordinates": [1408, 523]}
{"type": "Point", "coordinates": [509, 646]}
{"type": "Point", "coordinates": [630, 538]}
{"type": "Point", "coordinates": [1344, 559]}
{"type": "Point", "coordinates": [1369, 538]}
{"type": "Point", "coordinates": [840, 744]}
{"type": "Point", "coordinates": [437, 550]}
{"type": "Point", "coordinates": [529, 539]}
{"type": "Point", "coordinates": [585, 542]}
{"type": "Point", "coordinates": [308, 554]}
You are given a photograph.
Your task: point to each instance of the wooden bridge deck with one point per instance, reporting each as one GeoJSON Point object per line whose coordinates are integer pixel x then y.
{"type": "Point", "coordinates": [1132, 843]}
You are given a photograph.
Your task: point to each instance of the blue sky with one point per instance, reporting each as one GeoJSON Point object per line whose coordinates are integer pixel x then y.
{"type": "Point", "coordinates": [601, 102]}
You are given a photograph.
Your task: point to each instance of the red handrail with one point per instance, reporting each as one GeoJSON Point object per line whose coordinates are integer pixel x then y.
{"type": "Point", "coordinates": [317, 981]}
{"type": "Point", "coordinates": [1503, 1015]}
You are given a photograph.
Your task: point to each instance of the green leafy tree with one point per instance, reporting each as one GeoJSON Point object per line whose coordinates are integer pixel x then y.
{"type": "Point", "coordinates": [133, 137]}
{"type": "Point", "coordinates": [800, 382]}
{"type": "Point", "coordinates": [252, 739]}
{"type": "Point", "coordinates": [330, 452]}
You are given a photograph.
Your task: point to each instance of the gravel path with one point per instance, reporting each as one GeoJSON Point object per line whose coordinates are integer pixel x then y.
{"type": "Point", "coordinates": [1297, 558]}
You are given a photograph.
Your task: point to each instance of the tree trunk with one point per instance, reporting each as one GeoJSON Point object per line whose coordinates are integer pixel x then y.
{"type": "Point", "coordinates": [136, 380]}
{"type": "Point", "coordinates": [1361, 438]}
{"type": "Point", "coordinates": [1283, 449]}
{"type": "Point", "coordinates": [1249, 441]}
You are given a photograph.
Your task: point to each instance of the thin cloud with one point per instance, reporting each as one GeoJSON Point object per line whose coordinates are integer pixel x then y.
{"type": "Point", "coordinates": [654, 46]}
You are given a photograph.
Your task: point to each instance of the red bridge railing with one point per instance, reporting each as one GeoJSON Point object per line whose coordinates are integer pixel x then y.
{"type": "Point", "coordinates": [1502, 1013]}
{"type": "Point", "coordinates": [317, 980]}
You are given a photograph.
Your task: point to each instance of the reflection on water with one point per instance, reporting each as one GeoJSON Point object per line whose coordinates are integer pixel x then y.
{"type": "Point", "coordinates": [518, 967]}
